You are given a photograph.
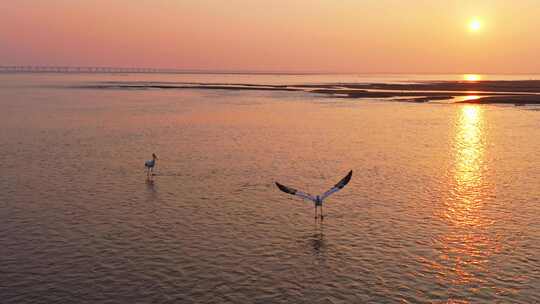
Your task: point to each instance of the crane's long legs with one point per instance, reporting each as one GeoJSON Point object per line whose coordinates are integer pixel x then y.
{"type": "Point", "coordinates": [315, 211]}
{"type": "Point", "coordinates": [322, 216]}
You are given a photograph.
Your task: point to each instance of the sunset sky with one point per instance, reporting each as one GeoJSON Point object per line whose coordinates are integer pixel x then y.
{"type": "Point", "coordinates": [359, 36]}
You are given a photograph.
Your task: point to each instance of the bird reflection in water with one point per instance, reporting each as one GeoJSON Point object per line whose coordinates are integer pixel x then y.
{"type": "Point", "coordinates": [317, 239]}
{"type": "Point", "coordinates": [151, 186]}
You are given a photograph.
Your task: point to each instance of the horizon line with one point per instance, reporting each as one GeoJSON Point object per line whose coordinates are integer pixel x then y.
{"type": "Point", "coordinates": [150, 70]}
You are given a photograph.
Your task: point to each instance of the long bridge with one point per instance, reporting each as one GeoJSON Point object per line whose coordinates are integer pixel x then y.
{"type": "Point", "coordinates": [82, 69]}
{"type": "Point", "coordinates": [119, 70]}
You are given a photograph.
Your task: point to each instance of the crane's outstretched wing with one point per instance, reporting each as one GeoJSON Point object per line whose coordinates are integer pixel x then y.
{"type": "Point", "coordinates": [295, 192]}
{"type": "Point", "coordinates": [344, 181]}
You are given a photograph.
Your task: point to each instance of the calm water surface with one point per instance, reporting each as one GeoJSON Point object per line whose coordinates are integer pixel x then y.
{"type": "Point", "coordinates": [443, 207]}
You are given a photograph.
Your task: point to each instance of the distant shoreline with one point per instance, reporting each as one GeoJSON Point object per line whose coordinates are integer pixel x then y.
{"type": "Point", "coordinates": [518, 92]}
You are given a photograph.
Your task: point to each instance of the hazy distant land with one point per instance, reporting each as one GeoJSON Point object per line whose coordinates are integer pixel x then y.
{"type": "Point", "coordinates": [520, 92]}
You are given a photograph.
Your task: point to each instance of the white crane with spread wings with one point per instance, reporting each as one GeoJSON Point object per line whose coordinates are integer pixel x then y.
{"type": "Point", "coordinates": [318, 199]}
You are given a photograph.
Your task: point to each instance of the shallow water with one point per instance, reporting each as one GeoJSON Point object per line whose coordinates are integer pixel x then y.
{"type": "Point", "coordinates": [443, 205]}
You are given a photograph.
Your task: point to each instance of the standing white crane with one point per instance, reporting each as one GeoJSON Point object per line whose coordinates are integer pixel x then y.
{"type": "Point", "coordinates": [318, 200]}
{"type": "Point", "coordinates": [150, 164]}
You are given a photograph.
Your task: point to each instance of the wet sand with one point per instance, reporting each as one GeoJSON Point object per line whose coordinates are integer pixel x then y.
{"type": "Point", "coordinates": [507, 99]}
{"type": "Point", "coordinates": [485, 92]}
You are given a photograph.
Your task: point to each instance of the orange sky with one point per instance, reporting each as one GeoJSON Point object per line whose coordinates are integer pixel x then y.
{"type": "Point", "coordinates": [360, 36]}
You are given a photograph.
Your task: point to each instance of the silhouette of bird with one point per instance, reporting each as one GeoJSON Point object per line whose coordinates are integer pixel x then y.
{"type": "Point", "coordinates": [150, 164]}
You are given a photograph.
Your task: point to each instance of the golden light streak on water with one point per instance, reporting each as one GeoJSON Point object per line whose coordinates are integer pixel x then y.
{"type": "Point", "coordinates": [470, 151]}
{"type": "Point", "coordinates": [466, 186]}
{"type": "Point", "coordinates": [468, 245]}
{"type": "Point", "coordinates": [472, 77]}
{"type": "Point", "coordinates": [471, 97]}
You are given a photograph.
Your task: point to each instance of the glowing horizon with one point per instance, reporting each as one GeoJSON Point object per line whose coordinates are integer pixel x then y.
{"type": "Point", "coordinates": [300, 35]}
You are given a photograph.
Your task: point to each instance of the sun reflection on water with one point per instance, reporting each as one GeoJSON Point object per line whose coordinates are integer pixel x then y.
{"type": "Point", "coordinates": [467, 245]}
{"type": "Point", "coordinates": [470, 97]}
{"type": "Point", "coordinates": [466, 185]}
{"type": "Point", "coordinates": [472, 77]}
{"type": "Point", "coordinates": [469, 152]}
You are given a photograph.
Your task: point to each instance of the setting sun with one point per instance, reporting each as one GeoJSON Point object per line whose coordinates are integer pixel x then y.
{"type": "Point", "coordinates": [475, 25]}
